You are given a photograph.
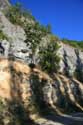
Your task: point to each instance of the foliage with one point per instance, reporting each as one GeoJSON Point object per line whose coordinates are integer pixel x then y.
{"type": "Point", "coordinates": [3, 36]}
{"type": "Point", "coordinates": [16, 12]}
{"type": "Point", "coordinates": [73, 43]}
{"type": "Point", "coordinates": [80, 44]}
{"type": "Point", "coordinates": [34, 34]}
{"type": "Point", "coordinates": [49, 59]}
{"type": "Point", "coordinates": [54, 38]}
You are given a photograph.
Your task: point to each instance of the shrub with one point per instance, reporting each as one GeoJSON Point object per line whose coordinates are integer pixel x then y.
{"type": "Point", "coordinates": [54, 38]}
{"type": "Point", "coordinates": [34, 34]}
{"type": "Point", "coordinates": [16, 12]}
{"type": "Point", "coordinates": [49, 59]}
{"type": "Point", "coordinates": [3, 36]}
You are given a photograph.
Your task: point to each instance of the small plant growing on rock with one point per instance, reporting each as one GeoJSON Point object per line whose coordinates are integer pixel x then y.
{"type": "Point", "coordinates": [3, 36]}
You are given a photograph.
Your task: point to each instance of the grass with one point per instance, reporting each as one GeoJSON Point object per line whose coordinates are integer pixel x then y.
{"type": "Point", "coordinates": [73, 43]}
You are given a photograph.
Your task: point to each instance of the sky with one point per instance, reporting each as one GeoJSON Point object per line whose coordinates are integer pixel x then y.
{"type": "Point", "coordinates": [65, 16]}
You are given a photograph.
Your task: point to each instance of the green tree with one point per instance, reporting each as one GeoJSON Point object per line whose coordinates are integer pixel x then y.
{"type": "Point", "coordinates": [34, 34]}
{"type": "Point", "coordinates": [49, 59]}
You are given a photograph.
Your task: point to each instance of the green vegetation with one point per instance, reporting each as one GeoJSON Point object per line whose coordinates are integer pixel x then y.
{"type": "Point", "coordinates": [54, 38]}
{"type": "Point", "coordinates": [3, 36]}
{"type": "Point", "coordinates": [80, 44]}
{"type": "Point", "coordinates": [16, 12]}
{"type": "Point", "coordinates": [34, 34]}
{"type": "Point", "coordinates": [49, 59]}
{"type": "Point", "coordinates": [73, 43]}
{"type": "Point", "coordinates": [18, 15]}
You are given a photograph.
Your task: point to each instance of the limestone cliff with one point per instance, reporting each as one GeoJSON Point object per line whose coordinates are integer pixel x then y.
{"type": "Point", "coordinates": [26, 90]}
{"type": "Point", "coordinates": [17, 36]}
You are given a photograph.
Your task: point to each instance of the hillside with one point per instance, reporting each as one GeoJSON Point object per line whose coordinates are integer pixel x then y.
{"type": "Point", "coordinates": [41, 77]}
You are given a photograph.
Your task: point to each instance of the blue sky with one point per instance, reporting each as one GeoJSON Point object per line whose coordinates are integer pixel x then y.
{"type": "Point", "coordinates": [65, 16]}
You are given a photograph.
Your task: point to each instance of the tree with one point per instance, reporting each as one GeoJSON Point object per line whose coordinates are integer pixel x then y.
{"type": "Point", "coordinates": [34, 34]}
{"type": "Point", "coordinates": [49, 59]}
{"type": "Point", "coordinates": [33, 38]}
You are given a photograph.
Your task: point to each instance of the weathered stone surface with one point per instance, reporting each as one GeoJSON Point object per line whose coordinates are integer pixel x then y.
{"type": "Point", "coordinates": [4, 4]}
{"type": "Point", "coordinates": [19, 49]}
{"type": "Point", "coordinates": [15, 45]}
{"type": "Point", "coordinates": [61, 94]}
{"type": "Point", "coordinates": [71, 56]}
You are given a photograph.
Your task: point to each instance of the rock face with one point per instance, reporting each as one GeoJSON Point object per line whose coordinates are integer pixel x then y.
{"type": "Point", "coordinates": [31, 88]}
{"type": "Point", "coordinates": [11, 86]}
{"type": "Point", "coordinates": [4, 4]}
{"type": "Point", "coordinates": [72, 57]}
{"type": "Point", "coordinates": [25, 86]}
{"type": "Point", "coordinates": [19, 82]}
{"type": "Point", "coordinates": [17, 47]}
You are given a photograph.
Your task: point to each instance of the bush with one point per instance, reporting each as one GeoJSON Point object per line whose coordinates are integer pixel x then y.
{"type": "Point", "coordinates": [49, 60]}
{"type": "Point", "coordinates": [3, 36]}
{"type": "Point", "coordinates": [54, 38]}
{"type": "Point", "coordinates": [34, 34]}
{"type": "Point", "coordinates": [16, 12]}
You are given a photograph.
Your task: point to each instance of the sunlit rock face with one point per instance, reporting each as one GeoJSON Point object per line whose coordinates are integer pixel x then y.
{"type": "Point", "coordinates": [4, 4]}
{"type": "Point", "coordinates": [16, 47]}
{"type": "Point", "coordinates": [32, 92]}
{"type": "Point", "coordinates": [32, 89]}
{"type": "Point", "coordinates": [13, 79]}
{"type": "Point", "coordinates": [71, 56]}
{"type": "Point", "coordinates": [18, 81]}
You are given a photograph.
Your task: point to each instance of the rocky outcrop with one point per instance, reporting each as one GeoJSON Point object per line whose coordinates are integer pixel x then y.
{"type": "Point", "coordinates": [30, 88]}
{"type": "Point", "coordinates": [35, 90]}
{"type": "Point", "coordinates": [71, 56]}
{"type": "Point", "coordinates": [17, 47]}
{"type": "Point", "coordinates": [4, 4]}
{"type": "Point", "coordinates": [58, 93]}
